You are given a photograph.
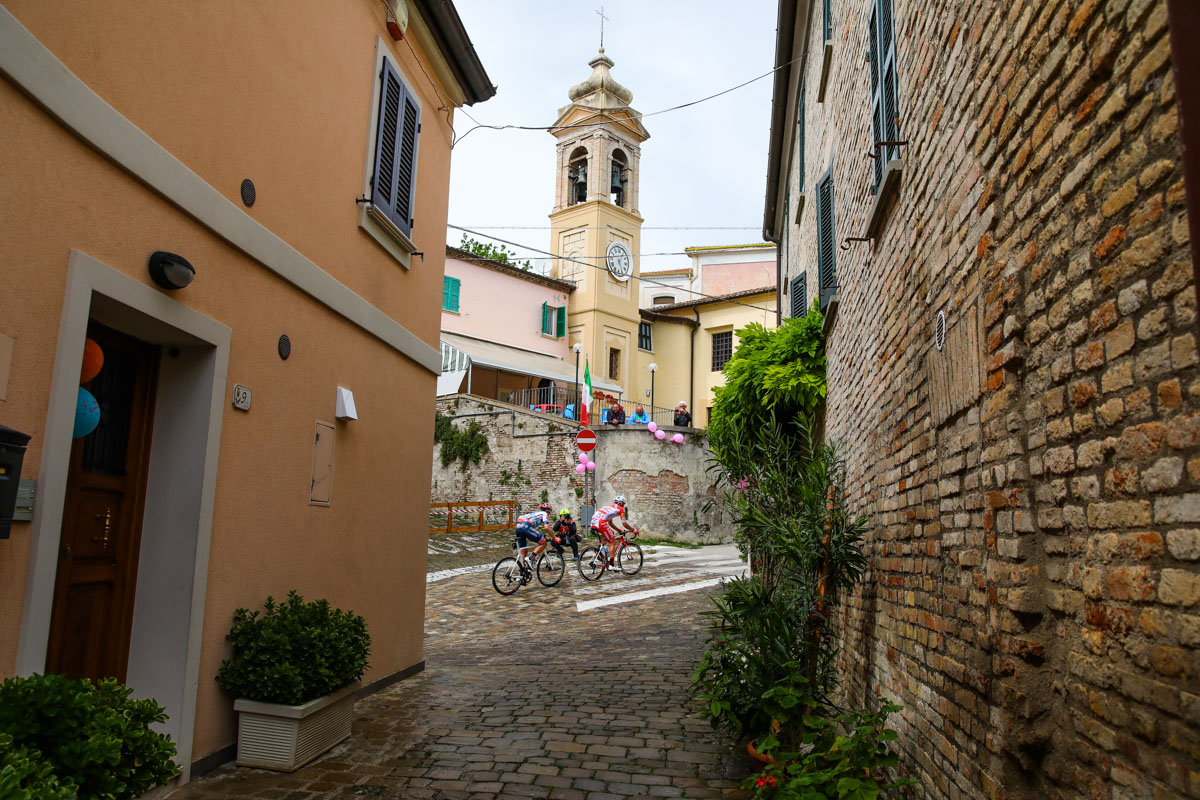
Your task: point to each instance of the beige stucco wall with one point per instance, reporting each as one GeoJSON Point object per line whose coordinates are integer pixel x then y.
{"type": "Point", "coordinates": [281, 95]}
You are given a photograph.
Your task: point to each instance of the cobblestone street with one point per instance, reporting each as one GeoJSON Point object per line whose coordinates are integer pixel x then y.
{"type": "Point", "coordinates": [576, 692]}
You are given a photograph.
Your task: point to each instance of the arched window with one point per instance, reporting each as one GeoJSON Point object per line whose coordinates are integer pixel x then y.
{"type": "Point", "coordinates": [660, 299]}
{"type": "Point", "coordinates": [577, 176]}
{"type": "Point", "coordinates": [619, 177]}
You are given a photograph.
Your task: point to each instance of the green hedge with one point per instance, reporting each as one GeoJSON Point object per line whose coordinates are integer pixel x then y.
{"type": "Point", "coordinates": [62, 738]}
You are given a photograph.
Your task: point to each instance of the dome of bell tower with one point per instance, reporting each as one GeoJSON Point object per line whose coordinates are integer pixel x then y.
{"type": "Point", "coordinates": [600, 80]}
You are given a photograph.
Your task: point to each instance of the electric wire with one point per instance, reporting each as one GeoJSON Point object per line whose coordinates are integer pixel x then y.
{"type": "Point", "coordinates": [619, 228]}
{"type": "Point", "coordinates": [633, 116]}
{"type": "Point", "coordinates": [641, 278]}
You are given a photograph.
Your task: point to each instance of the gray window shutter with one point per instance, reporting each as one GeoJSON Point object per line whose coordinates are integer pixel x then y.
{"type": "Point", "coordinates": [800, 295]}
{"type": "Point", "coordinates": [885, 126]}
{"type": "Point", "coordinates": [826, 264]}
{"type": "Point", "coordinates": [800, 139]}
{"type": "Point", "coordinates": [394, 181]}
{"type": "Point", "coordinates": [828, 21]}
{"type": "Point", "coordinates": [876, 95]}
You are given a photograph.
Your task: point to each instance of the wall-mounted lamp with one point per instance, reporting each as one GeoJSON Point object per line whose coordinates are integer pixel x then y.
{"type": "Point", "coordinates": [171, 271]}
{"type": "Point", "coordinates": [345, 405]}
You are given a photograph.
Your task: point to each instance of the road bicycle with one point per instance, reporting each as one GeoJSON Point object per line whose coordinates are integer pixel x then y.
{"type": "Point", "coordinates": [593, 560]}
{"type": "Point", "coordinates": [513, 572]}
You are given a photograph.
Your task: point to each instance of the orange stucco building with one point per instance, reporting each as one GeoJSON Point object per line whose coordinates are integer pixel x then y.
{"type": "Point", "coordinates": [297, 157]}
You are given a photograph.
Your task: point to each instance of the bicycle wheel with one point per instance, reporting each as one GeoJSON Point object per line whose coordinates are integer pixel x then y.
{"type": "Point", "coordinates": [591, 563]}
{"type": "Point", "coordinates": [506, 576]}
{"type": "Point", "coordinates": [550, 568]}
{"type": "Point", "coordinates": [629, 558]}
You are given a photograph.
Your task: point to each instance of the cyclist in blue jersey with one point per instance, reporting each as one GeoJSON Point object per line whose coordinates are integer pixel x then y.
{"type": "Point", "coordinates": [527, 530]}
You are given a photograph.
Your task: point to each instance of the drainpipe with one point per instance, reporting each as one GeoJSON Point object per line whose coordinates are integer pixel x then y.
{"type": "Point", "coordinates": [692, 368]}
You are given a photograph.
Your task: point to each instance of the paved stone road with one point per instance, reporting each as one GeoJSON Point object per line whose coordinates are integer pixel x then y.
{"type": "Point", "coordinates": [577, 692]}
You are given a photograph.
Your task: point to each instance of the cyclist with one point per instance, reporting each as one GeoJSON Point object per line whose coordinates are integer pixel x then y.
{"type": "Point", "coordinates": [567, 532]}
{"type": "Point", "coordinates": [527, 530]}
{"type": "Point", "coordinates": [605, 518]}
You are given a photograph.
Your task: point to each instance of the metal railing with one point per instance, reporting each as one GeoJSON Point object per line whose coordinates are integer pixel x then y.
{"type": "Point", "coordinates": [472, 515]}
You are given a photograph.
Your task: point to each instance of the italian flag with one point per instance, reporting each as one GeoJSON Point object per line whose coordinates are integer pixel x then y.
{"type": "Point", "coordinates": [587, 382]}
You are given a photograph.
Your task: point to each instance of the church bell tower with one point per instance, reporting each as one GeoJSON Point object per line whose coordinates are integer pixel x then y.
{"type": "Point", "coordinates": [595, 224]}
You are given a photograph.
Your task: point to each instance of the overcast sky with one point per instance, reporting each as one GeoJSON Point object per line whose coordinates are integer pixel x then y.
{"type": "Point", "coordinates": [703, 166]}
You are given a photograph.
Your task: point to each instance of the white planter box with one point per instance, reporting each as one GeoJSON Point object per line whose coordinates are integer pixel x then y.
{"type": "Point", "coordinates": [288, 737]}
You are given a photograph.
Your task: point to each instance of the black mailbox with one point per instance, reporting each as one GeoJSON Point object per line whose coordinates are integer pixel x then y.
{"type": "Point", "coordinates": [12, 453]}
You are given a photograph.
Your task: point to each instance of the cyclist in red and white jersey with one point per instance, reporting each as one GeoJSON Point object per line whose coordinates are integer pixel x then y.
{"type": "Point", "coordinates": [608, 517]}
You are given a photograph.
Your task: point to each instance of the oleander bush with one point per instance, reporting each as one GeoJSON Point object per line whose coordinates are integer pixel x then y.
{"type": "Point", "coordinates": [294, 651]}
{"type": "Point", "coordinates": [62, 738]}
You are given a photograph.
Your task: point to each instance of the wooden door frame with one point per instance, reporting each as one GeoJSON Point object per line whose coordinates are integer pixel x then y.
{"type": "Point", "coordinates": [184, 458]}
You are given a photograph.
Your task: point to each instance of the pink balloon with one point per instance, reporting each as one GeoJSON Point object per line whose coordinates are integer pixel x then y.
{"type": "Point", "coordinates": [677, 438]}
{"type": "Point", "coordinates": [583, 458]}
{"type": "Point", "coordinates": [660, 435]}
{"type": "Point", "coordinates": [652, 427]}
{"type": "Point", "coordinates": [591, 466]}
{"type": "Point", "coordinates": [580, 468]}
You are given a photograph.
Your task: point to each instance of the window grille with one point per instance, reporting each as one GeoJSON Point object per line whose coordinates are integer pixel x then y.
{"type": "Point", "coordinates": [722, 349]}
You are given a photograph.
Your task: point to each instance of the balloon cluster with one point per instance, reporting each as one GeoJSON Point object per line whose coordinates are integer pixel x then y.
{"type": "Point", "coordinates": [585, 464]}
{"type": "Point", "coordinates": [661, 434]}
{"type": "Point", "coordinates": [87, 410]}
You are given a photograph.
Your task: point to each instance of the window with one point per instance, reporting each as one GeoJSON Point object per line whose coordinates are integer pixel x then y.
{"type": "Point", "coordinates": [450, 293]}
{"type": "Point", "coordinates": [618, 178]}
{"type": "Point", "coordinates": [614, 364]}
{"type": "Point", "coordinates": [577, 176]}
{"type": "Point", "coordinates": [710, 408]}
{"type": "Point", "coordinates": [394, 183]}
{"type": "Point", "coordinates": [800, 144]}
{"type": "Point", "coordinates": [800, 295]}
{"type": "Point", "coordinates": [722, 349]}
{"type": "Point", "coordinates": [828, 17]}
{"type": "Point", "coordinates": [885, 124]}
{"type": "Point", "coordinates": [826, 263]}
{"type": "Point", "coordinates": [660, 299]}
{"type": "Point", "coordinates": [554, 320]}
{"type": "Point", "coordinates": [645, 342]}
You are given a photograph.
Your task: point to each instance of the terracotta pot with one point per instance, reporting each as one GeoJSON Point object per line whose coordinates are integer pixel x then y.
{"type": "Point", "coordinates": [760, 759]}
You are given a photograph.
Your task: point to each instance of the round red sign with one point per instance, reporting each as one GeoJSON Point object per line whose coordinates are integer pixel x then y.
{"type": "Point", "coordinates": [586, 440]}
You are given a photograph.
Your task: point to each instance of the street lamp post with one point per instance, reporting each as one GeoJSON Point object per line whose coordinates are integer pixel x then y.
{"type": "Point", "coordinates": [653, 369]}
{"type": "Point", "coordinates": [577, 347]}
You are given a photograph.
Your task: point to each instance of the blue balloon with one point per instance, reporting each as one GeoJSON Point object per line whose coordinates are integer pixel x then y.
{"type": "Point", "coordinates": [87, 413]}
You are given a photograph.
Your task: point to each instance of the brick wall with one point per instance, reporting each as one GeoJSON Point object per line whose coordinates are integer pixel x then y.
{"type": "Point", "coordinates": [666, 484]}
{"type": "Point", "coordinates": [1034, 597]}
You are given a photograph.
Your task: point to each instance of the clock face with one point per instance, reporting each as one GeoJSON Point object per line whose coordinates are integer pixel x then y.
{"type": "Point", "coordinates": [620, 261]}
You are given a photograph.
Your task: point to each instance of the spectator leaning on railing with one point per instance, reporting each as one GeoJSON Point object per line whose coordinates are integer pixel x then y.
{"type": "Point", "coordinates": [640, 417]}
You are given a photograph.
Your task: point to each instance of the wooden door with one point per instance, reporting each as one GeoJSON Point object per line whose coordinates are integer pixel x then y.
{"type": "Point", "coordinates": [102, 516]}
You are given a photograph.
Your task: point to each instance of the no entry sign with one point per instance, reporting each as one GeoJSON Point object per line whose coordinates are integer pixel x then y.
{"type": "Point", "coordinates": [586, 440]}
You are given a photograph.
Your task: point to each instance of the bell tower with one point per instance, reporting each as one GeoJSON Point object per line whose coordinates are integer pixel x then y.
{"type": "Point", "coordinates": [595, 223]}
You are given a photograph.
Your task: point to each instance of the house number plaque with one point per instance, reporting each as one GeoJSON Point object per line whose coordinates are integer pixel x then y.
{"type": "Point", "coordinates": [241, 397]}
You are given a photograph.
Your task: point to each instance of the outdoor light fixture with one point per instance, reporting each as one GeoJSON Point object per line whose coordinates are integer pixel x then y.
{"type": "Point", "coordinates": [171, 271]}
{"type": "Point", "coordinates": [653, 369]}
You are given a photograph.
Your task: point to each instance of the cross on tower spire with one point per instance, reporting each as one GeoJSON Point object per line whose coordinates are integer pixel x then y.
{"type": "Point", "coordinates": [602, 19]}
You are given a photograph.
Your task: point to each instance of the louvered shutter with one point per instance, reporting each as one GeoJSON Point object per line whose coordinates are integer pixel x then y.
{"type": "Point", "coordinates": [450, 293]}
{"type": "Point", "coordinates": [885, 126]}
{"type": "Point", "coordinates": [800, 140]}
{"type": "Point", "coordinates": [454, 293]}
{"type": "Point", "coordinates": [826, 266]}
{"type": "Point", "coordinates": [560, 330]}
{"type": "Point", "coordinates": [800, 295]}
{"type": "Point", "coordinates": [394, 182]}
{"type": "Point", "coordinates": [547, 323]}
{"type": "Point", "coordinates": [828, 20]}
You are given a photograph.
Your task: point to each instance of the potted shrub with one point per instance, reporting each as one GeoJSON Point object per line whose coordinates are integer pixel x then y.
{"type": "Point", "coordinates": [295, 669]}
{"type": "Point", "coordinates": [63, 738]}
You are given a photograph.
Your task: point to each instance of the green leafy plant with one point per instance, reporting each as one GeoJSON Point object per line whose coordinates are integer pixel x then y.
{"type": "Point", "coordinates": [842, 758]}
{"type": "Point", "coordinates": [63, 738]}
{"type": "Point", "coordinates": [491, 251]}
{"type": "Point", "coordinates": [465, 445]}
{"type": "Point", "coordinates": [294, 651]}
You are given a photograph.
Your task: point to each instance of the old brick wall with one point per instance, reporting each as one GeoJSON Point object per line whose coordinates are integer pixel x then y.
{"type": "Point", "coordinates": [1034, 597]}
{"type": "Point", "coordinates": [666, 484]}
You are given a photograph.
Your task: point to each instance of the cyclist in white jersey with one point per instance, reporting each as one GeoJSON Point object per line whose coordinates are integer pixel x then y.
{"type": "Point", "coordinates": [527, 530]}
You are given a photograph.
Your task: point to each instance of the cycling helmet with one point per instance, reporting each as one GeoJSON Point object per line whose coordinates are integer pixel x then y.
{"type": "Point", "coordinates": [619, 500]}
{"type": "Point", "coordinates": [566, 512]}
{"type": "Point", "coordinates": [546, 507]}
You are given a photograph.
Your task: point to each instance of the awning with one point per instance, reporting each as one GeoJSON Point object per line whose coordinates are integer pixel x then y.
{"type": "Point", "coordinates": [522, 362]}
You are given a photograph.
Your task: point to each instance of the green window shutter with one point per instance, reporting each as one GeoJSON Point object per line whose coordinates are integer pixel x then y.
{"type": "Point", "coordinates": [450, 288]}
{"type": "Point", "coordinates": [828, 20]}
{"type": "Point", "coordinates": [885, 125]}
{"type": "Point", "coordinates": [560, 330]}
{"type": "Point", "coordinates": [800, 142]}
{"type": "Point", "coordinates": [799, 293]}
{"type": "Point", "coordinates": [547, 319]}
{"type": "Point", "coordinates": [826, 262]}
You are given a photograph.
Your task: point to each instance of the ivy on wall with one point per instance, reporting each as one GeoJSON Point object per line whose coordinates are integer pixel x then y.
{"type": "Point", "coordinates": [464, 445]}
